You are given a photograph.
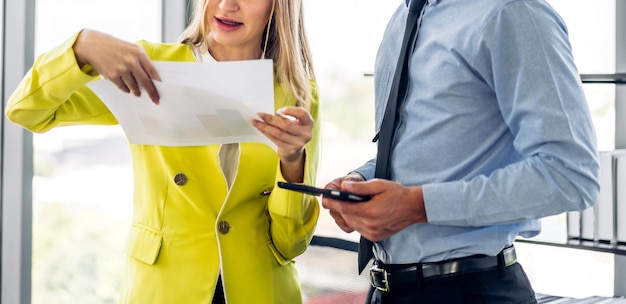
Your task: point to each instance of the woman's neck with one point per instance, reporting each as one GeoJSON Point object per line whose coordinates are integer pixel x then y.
{"type": "Point", "coordinates": [225, 53]}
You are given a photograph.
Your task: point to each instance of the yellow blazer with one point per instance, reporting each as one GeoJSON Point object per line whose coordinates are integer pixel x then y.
{"type": "Point", "coordinates": [185, 231]}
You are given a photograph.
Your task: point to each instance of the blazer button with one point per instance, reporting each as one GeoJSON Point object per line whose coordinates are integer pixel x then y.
{"type": "Point", "coordinates": [223, 227]}
{"type": "Point", "coordinates": [180, 179]}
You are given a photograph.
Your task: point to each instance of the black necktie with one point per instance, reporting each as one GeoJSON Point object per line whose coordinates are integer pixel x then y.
{"type": "Point", "coordinates": [388, 125]}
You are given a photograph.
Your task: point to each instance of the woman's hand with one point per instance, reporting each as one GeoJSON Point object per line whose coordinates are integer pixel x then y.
{"type": "Point", "coordinates": [290, 129]}
{"type": "Point", "coordinates": [123, 63]}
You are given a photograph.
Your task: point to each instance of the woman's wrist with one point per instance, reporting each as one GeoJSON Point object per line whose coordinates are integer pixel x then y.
{"type": "Point", "coordinates": [293, 170]}
{"type": "Point", "coordinates": [77, 47]}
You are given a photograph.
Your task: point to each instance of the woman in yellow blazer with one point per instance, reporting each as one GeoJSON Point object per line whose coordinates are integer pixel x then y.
{"type": "Point", "coordinates": [208, 226]}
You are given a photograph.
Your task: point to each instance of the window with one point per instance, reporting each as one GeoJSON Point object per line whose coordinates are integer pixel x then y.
{"type": "Point", "coordinates": [344, 51]}
{"type": "Point", "coordinates": [82, 186]}
{"type": "Point", "coordinates": [592, 34]}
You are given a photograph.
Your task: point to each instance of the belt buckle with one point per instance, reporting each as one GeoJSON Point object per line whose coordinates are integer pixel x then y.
{"type": "Point", "coordinates": [381, 284]}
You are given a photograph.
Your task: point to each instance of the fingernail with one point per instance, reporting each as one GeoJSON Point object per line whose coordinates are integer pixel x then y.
{"type": "Point", "coordinates": [288, 117]}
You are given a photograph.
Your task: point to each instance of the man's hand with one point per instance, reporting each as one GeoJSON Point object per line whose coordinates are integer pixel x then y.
{"type": "Point", "coordinates": [336, 184]}
{"type": "Point", "coordinates": [392, 208]}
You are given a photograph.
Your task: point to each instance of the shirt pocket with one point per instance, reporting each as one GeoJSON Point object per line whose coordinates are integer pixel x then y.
{"type": "Point", "coordinates": [144, 244]}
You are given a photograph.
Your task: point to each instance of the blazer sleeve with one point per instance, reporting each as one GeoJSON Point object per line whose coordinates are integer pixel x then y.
{"type": "Point", "coordinates": [294, 215]}
{"type": "Point", "coordinates": [54, 93]}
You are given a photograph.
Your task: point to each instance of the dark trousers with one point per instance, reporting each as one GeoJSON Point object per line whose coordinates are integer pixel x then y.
{"type": "Point", "coordinates": [218, 296]}
{"type": "Point", "coordinates": [508, 285]}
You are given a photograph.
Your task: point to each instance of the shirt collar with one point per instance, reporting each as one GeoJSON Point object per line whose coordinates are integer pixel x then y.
{"type": "Point", "coordinates": [202, 54]}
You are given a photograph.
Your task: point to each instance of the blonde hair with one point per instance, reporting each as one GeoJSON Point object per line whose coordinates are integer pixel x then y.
{"type": "Point", "coordinates": [285, 43]}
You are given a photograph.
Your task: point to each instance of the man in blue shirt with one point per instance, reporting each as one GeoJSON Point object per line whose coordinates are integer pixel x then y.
{"type": "Point", "coordinates": [495, 133]}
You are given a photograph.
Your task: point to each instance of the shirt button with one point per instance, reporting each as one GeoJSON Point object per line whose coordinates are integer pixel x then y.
{"type": "Point", "coordinates": [180, 179]}
{"type": "Point", "coordinates": [223, 227]}
{"type": "Point", "coordinates": [266, 192]}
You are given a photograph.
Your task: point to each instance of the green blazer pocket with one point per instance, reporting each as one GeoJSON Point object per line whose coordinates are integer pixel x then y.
{"type": "Point", "coordinates": [144, 244]}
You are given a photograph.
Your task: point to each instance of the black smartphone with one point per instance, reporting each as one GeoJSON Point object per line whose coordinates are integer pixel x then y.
{"type": "Point", "coordinates": [332, 193]}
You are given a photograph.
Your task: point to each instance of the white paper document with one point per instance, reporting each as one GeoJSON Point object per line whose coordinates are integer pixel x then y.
{"type": "Point", "coordinates": [200, 104]}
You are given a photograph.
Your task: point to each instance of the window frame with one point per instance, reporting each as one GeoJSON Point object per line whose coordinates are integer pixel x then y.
{"type": "Point", "coordinates": [620, 66]}
{"type": "Point", "coordinates": [16, 156]}
{"type": "Point", "coordinates": [16, 144]}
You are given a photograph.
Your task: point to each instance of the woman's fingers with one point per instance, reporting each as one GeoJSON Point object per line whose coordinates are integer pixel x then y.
{"type": "Point", "coordinates": [299, 114]}
{"type": "Point", "coordinates": [285, 130]}
{"type": "Point", "coordinates": [130, 82]}
{"type": "Point", "coordinates": [289, 134]}
{"type": "Point", "coordinates": [123, 63]}
{"type": "Point", "coordinates": [146, 78]}
{"type": "Point", "coordinates": [120, 84]}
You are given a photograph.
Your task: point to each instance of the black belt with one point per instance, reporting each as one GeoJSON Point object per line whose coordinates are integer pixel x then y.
{"type": "Point", "coordinates": [384, 277]}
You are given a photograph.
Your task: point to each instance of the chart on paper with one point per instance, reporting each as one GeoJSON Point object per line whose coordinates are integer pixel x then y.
{"type": "Point", "coordinates": [188, 115]}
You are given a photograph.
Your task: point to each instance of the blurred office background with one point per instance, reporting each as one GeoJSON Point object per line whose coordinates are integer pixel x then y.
{"type": "Point", "coordinates": [67, 194]}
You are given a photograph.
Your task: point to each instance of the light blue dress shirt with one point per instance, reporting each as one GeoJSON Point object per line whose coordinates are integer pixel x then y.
{"type": "Point", "coordinates": [496, 126]}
